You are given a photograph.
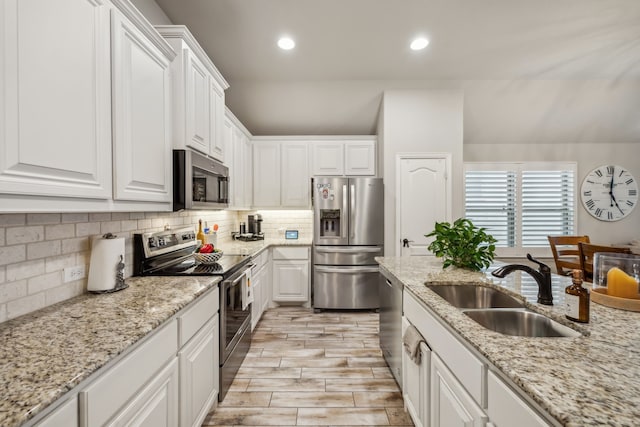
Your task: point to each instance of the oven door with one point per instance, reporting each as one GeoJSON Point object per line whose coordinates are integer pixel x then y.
{"type": "Point", "coordinates": [234, 319]}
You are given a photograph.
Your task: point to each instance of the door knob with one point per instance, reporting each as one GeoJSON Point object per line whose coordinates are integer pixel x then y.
{"type": "Point", "coordinates": [405, 243]}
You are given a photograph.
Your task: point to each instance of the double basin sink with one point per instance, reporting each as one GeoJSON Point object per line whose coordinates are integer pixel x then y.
{"type": "Point", "coordinates": [499, 312]}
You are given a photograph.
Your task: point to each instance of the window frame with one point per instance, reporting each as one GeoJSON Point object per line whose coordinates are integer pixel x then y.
{"type": "Point", "coordinates": [518, 167]}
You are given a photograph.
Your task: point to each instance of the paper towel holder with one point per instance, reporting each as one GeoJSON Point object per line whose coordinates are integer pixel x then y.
{"type": "Point", "coordinates": [119, 273]}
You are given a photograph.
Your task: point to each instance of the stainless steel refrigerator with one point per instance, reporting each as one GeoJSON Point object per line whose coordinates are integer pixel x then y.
{"type": "Point", "coordinates": [348, 233]}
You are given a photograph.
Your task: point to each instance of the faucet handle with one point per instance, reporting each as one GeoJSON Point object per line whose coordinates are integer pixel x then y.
{"type": "Point", "coordinates": [543, 268]}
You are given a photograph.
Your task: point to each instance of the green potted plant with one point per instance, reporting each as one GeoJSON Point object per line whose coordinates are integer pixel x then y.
{"type": "Point", "coordinates": [462, 244]}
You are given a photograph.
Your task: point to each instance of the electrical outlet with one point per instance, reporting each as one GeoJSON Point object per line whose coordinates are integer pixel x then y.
{"type": "Point", "coordinates": [72, 274]}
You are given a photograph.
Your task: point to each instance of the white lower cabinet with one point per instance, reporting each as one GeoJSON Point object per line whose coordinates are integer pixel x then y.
{"type": "Point", "coordinates": [66, 415]}
{"type": "Point", "coordinates": [256, 305]}
{"type": "Point", "coordinates": [415, 383]}
{"type": "Point", "coordinates": [199, 374]}
{"type": "Point", "coordinates": [506, 408]}
{"type": "Point", "coordinates": [291, 274]}
{"type": "Point", "coordinates": [462, 390]}
{"type": "Point", "coordinates": [156, 405]}
{"type": "Point", "coordinates": [450, 404]}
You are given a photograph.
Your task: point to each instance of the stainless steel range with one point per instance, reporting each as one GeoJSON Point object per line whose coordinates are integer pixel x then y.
{"type": "Point", "coordinates": [169, 253]}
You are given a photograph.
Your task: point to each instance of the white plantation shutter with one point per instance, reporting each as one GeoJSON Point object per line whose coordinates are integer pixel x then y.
{"type": "Point", "coordinates": [490, 202]}
{"type": "Point", "coordinates": [520, 204]}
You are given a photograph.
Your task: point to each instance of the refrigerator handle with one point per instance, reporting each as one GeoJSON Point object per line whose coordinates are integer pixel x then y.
{"type": "Point", "coordinates": [352, 211]}
{"type": "Point", "coordinates": [345, 204]}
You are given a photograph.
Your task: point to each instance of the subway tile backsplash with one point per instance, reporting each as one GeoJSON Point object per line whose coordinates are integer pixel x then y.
{"type": "Point", "coordinates": [36, 248]}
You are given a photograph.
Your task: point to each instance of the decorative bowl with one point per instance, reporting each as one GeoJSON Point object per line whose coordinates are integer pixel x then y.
{"type": "Point", "coordinates": [210, 258]}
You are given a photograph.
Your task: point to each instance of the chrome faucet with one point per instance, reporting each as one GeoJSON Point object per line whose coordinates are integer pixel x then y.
{"type": "Point", "coordinates": [542, 277]}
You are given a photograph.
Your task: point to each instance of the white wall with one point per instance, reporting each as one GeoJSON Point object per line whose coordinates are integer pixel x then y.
{"type": "Point", "coordinates": [152, 12]}
{"type": "Point", "coordinates": [419, 121]}
{"type": "Point", "coordinates": [587, 156]}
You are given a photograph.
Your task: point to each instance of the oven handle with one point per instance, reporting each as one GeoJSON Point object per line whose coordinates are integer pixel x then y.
{"type": "Point", "coordinates": [238, 276]}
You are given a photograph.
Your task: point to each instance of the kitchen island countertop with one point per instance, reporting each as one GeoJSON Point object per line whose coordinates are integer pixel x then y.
{"type": "Point", "coordinates": [590, 380]}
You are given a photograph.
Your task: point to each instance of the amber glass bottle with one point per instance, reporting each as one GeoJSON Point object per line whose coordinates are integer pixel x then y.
{"type": "Point", "coordinates": [577, 299]}
{"type": "Point", "coordinates": [200, 235]}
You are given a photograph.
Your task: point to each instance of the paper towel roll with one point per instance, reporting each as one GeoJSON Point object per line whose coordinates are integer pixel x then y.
{"type": "Point", "coordinates": [107, 264]}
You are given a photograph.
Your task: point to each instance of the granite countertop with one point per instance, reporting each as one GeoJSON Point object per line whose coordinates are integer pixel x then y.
{"type": "Point", "coordinates": [45, 354]}
{"type": "Point", "coordinates": [590, 380]}
{"type": "Point", "coordinates": [237, 247]}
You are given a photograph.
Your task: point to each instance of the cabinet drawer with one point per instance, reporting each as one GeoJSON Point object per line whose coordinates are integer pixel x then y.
{"type": "Point", "coordinates": [261, 259]}
{"type": "Point", "coordinates": [104, 397]}
{"type": "Point", "coordinates": [66, 415]}
{"type": "Point", "coordinates": [506, 408]}
{"type": "Point", "coordinates": [462, 363]}
{"type": "Point", "coordinates": [192, 320]}
{"type": "Point", "coordinates": [290, 252]}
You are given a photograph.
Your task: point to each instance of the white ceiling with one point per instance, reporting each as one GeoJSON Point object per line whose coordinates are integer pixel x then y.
{"type": "Point", "coordinates": [349, 51]}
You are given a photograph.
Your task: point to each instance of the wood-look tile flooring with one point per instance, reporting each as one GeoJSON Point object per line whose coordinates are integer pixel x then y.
{"type": "Point", "coordinates": [313, 369]}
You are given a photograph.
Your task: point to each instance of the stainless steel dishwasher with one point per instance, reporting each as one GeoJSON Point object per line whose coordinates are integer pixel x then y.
{"type": "Point", "coordinates": [390, 291]}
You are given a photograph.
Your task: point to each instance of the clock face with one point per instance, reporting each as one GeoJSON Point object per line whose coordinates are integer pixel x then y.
{"type": "Point", "coordinates": [609, 192]}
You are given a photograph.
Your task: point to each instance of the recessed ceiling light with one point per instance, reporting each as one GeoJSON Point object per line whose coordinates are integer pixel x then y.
{"type": "Point", "coordinates": [286, 43]}
{"type": "Point", "coordinates": [419, 43]}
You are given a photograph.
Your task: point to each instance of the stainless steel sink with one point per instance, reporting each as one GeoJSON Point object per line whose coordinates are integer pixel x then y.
{"type": "Point", "coordinates": [474, 296]}
{"type": "Point", "coordinates": [521, 323]}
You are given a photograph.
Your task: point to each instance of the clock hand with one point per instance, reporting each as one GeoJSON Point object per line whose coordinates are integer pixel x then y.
{"type": "Point", "coordinates": [613, 199]}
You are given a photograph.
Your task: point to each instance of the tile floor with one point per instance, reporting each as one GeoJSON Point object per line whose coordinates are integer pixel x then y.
{"type": "Point", "coordinates": [313, 369]}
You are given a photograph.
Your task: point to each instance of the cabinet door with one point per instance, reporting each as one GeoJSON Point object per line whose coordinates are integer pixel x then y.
{"type": "Point", "coordinates": [506, 408]}
{"type": "Point", "coordinates": [295, 177]}
{"type": "Point", "coordinates": [360, 158]}
{"type": "Point", "coordinates": [198, 104]}
{"type": "Point", "coordinates": [290, 281]}
{"type": "Point", "coordinates": [256, 305]}
{"type": "Point", "coordinates": [238, 171]}
{"type": "Point", "coordinates": [266, 174]}
{"type": "Point", "coordinates": [450, 403]}
{"type": "Point", "coordinates": [141, 116]}
{"type": "Point", "coordinates": [216, 120]}
{"type": "Point", "coordinates": [248, 174]}
{"type": "Point", "coordinates": [199, 375]}
{"type": "Point", "coordinates": [415, 383]}
{"type": "Point", "coordinates": [65, 415]}
{"type": "Point", "coordinates": [156, 405]}
{"type": "Point", "coordinates": [328, 158]}
{"type": "Point", "coordinates": [55, 98]}
{"type": "Point", "coordinates": [265, 279]}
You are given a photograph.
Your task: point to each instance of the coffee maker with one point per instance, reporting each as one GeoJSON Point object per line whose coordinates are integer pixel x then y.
{"type": "Point", "coordinates": [255, 224]}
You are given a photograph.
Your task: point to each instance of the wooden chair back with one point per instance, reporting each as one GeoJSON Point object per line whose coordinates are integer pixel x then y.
{"type": "Point", "coordinates": [566, 252]}
{"type": "Point", "coordinates": [587, 251]}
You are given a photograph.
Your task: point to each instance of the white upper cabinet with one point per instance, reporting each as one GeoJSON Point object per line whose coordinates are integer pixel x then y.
{"type": "Point", "coordinates": [328, 158]}
{"type": "Point", "coordinates": [198, 95]}
{"type": "Point", "coordinates": [238, 157]}
{"type": "Point", "coordinates": [281, 176]}
{"type": "Point", "coordinates": [141, 114]}
{"type": "Point", "coordinates": [55, 99]}
{"type": "Point", "coordinates": [360, 158]}
{"type": "Point", "coordinates": [295, 185]}
{"type": "Point", "coordinates": [344, 157]}
{"type": "Point", "coordinates": [266, 174]}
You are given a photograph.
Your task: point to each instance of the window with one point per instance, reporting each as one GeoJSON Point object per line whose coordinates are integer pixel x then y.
{"type": "Point", "coordinates": [520, 204]}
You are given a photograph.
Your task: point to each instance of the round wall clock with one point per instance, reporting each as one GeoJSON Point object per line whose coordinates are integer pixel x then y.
{"type": "Point", "coordinates": [609, 192]}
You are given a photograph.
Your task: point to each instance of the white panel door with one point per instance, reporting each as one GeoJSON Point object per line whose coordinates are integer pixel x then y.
{"type": "Point", "coordinates": [328, 158]}
{"type": "Point", "coordinates": [290, 281]}
{"type": "Point", "coordinates": [248, 168]}
{"type": "Point", "coordinates": [198, 374]}
{"type": "Point", "coordinates": [266, 174]}
{"type": "Point", "coordinates": [216, 120]}
{"type": "Point", "coordinates": [55, 98]}
{"type": "Point", "coordinates": [424, 197]}
{"type": "Point", "coordinates": [450, 405]}
{"type": "Point", "coordinates": [141, 116]}
{"type": "Point", "coordinates": [360, 158]}
{"type": "Point", "coordinates": [198, 104]}
{"type": "Point", "coordinates": [295, 179]}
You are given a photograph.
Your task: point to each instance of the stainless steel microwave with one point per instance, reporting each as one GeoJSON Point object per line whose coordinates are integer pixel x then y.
{"type": "Point", "coordinates": [199, 182]}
